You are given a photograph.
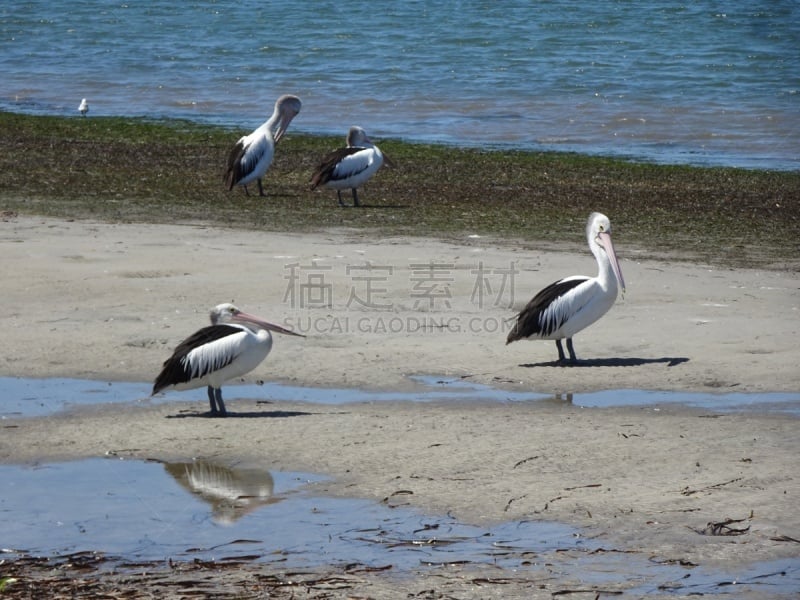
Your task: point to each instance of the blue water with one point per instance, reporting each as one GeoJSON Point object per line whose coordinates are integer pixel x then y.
{"type": "Point", "coordinates": [20, 397]}
{"type": "Point", "coordinates": [708, 83]}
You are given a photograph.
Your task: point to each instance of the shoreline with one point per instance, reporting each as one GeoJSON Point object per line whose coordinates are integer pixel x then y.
{"type": "Point", "coordinates": [128, 170]}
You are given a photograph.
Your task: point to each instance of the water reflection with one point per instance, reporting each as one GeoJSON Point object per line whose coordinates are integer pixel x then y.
{"type": "Point", "coordinates": [232, 492]}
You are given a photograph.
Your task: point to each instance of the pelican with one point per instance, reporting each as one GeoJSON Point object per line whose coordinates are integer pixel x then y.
{"type": "Point", "coordinates": [250, 158]}
{"type": "Point", "coordinates": [234, 344]}
{"type": "Point", "coordinates": [350, 167]}
{"type": "Point", "coordinates": [569, 305]}
{"type": "Point", "coordinates": [84, 107]}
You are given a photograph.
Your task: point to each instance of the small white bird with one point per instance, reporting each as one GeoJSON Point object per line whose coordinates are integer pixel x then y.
{"type": "Point", "coordinates": [234, 344]}
{"type": "Point", "coordinates": [350, 167]}
{"type": "Point", "coordinates": [84, 107]}
{"type": "Point", "coordinates": [569, 305]}
{"type": "Point", "coordinates": [251, 156]}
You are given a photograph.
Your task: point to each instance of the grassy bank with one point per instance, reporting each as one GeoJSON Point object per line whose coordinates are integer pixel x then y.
{"type": "Point", "coordinates": [134, 170]}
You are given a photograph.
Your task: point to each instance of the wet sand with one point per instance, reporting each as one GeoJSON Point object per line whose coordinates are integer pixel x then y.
{"type": "Point", "coordinates": [109, 302]}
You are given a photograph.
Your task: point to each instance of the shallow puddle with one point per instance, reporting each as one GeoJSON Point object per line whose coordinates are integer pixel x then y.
{"type": "Point", "coordinates": [144, 510]}
{"type": "Point", "coordinates": [21, 397]}
{"type": "Point", "coordinates": [200, 510]}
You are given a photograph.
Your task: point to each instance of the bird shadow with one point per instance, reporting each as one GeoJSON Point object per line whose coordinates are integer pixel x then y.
{"type": "Point", "coordinates": [379, 206]}
{"type": "Point", "coordinates": [269, 414]}
{"type": "Point", "coordinates": [611, 362]}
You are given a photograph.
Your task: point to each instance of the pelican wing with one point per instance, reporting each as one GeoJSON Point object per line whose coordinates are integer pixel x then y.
{"type": "Point", "coordinates": [233, 173]}
{"type": "Point", "coordinates": [339, 164]}
{"type": "Point", "coordinates": [206, 350]}
{"type": "Point", "coordinates": [547, 311]}
{"type": "Point", "coordinates": [244, 156]}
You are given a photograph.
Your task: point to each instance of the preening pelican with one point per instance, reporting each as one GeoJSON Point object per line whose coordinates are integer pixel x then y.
{"type": "Point", "coordinates": [569, 305]}
{"type": "Point", "coordinates": [250, 158]}
{"type": "Point", "coordinates": [84, 107]}
{"type": "Point", "coordinates": [350, 167]}
{"type": "Point", "coordinates": [234, 344]}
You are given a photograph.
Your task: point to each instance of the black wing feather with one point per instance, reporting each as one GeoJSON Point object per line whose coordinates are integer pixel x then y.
{"type": "Point", "coordinates": [174, 371]}
{"type": "Point", "coordinates": [324, 172]}
{"type": "Point", "coordinates": [533, 319]}
{"type": "Point", "coordinates": [234, 172]}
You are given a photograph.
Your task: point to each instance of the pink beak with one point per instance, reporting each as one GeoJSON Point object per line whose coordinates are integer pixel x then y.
{"type": "Point", "coordinates": [244, 318]}
{"type": "Point", "coordinates": [604, 239]}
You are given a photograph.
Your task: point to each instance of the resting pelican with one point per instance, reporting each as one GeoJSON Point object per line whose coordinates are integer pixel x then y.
{"type": "Point", "coordinates": [234, 344]}
{"type": "Point", "coordinates": [84, 107]}
{"type": "Point", "coordinates": [250, 158]}
{"type": "Point", "coordinates": [350, 167]}
{"type": "Point", "coordinates": [569, 305]}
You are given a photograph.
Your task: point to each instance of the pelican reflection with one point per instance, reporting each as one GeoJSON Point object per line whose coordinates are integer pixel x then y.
{"type": "Point", "coordinates": [231, 492]}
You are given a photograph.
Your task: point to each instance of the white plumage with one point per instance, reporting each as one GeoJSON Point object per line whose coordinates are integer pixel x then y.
{"type": "Point", "coordinates": [350, 167]}
{"type": "Point", "coordinates": [252, 155]}
{"type": "Point", "coordinates": [83, 108]}
{"type": "Point", "coordinates": [569, 305]}
{"type": "Point", "coordinates": [234, 344]}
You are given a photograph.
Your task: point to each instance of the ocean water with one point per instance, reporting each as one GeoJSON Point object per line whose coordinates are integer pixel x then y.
{"type": "Point", "coordinates": [708, 83]}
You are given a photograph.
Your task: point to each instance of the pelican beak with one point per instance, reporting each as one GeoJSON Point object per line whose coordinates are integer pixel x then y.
{"type": "Point", "coordinates": [388, 161]}
{"type": "Point", "coordinates": [279, 329]}
{"type": "Point", "coordinates": [604, 239]}
{"type": "Point", "coordinates": [243, 318]}
{"type": "Point", "coordinates": [283, 124]}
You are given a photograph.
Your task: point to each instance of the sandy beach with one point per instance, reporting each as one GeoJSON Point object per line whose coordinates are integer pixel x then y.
{"type": "Point", "coordinates": [110, 301]}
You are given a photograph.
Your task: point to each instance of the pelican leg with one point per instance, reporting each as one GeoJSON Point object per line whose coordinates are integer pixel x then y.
{"type": "Point", "coordinates": [561, 357]}
{"type": "Point", "coordinates": [260, 189]}
{"type": "Point", "coordinates": [355, 198]}
{"type": "Point", "coordinates": [339, 194]}
{"type": "Point", "coordinates": [246, 193]}
{"type": "Point", "coordinates": [220, 403]}
{"type": "Point", "coordinates": [571, 351]}
{"type": "Point", "coordinates": [212, 400]}
{"type": "Point", "coordinates": [215, 400]}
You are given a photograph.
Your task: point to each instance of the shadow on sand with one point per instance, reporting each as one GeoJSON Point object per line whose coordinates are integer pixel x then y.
{"type": "Point", "coordinates": [611, 362]}
{"type": "Point", "coordinates": [269, 414]}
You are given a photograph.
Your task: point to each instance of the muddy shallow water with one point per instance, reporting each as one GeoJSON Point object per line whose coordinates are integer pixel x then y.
{"type": "Point", "coordinates": [200, 510]}
{"type": "Point", "coordinates": [138, 511]}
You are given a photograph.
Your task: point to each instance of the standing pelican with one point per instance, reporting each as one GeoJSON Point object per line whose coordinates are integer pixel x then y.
{"type": "Point", "coordinates": [234, 344]}
{"type": "Point", "coordinates": [250, 158]}
{"type": "Point", "coordinates": [569, 305]}
{"type": "Point", "coordinates": [350, 167]}
{"type": "Point", "coordinates": [84, 107]}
